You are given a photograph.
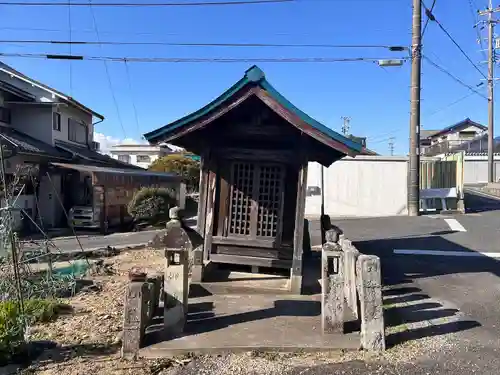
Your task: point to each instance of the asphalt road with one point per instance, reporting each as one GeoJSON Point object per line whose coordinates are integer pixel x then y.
{"type": "Point", "coordinates": [450, 296]}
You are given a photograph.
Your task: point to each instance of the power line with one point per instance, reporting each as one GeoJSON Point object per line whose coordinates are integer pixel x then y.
{"type": "Point", "coordinates": [453, 77]}
{"type": "Point", "coordinates": [478, 32]}
{"type": "Point", "coordinates": [450, 104]}
{"type": "Point", "coordinates": [433, 18]}
{"type": "Point", "coordinates": [136, 4]}
{"type": "Point", "coordinates": [428, 17]}
{"type": "Point", "coordinates": [129, 80]}
{"type": "Point", "coordinates": [194, 44]}
{"type": "Point", "coordinates": [18, 28]}
{"type": "Point", "coordinates": [201, 60]}
{"type": "Point", "coordinates": [108, 75]}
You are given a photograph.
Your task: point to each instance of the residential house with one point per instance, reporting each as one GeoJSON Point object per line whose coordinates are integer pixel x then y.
{"type": "Point", "coordinates": [51, 134]}
{"type": "Point", "coordinates": [141, 155]}
{"type": "Point", "coordinates": [436, 142]}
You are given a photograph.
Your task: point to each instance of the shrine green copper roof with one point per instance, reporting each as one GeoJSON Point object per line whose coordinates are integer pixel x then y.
{"type": "Point", "coordinates": [253, 76]}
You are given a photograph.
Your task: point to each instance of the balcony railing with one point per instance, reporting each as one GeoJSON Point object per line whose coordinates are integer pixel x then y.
{"type": "Point", "coordinates": [478, 144]}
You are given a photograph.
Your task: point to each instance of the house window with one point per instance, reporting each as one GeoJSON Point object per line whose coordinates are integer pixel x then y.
{"type": "Point", "coordinates": [56, 121]}
{"type": "Point", "coordinates": [77, 131]}
{"type": "Point", "coordinates": [124, 158]}
{"type": "Point", "coordinates": [143, 159]}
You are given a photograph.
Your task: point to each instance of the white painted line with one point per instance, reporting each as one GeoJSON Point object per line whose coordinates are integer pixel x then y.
{"type": "Point", "coordinates": [455, 225]}
{"type": "Point", "coordinates": [446, 253]}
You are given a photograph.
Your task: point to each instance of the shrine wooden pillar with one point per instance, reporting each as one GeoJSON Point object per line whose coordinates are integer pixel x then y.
{"type": "Point", "coordinates": [298, 235]}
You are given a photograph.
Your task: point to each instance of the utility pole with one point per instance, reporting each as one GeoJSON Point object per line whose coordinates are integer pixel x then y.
{"type": "Point", "coordinates": [391, 145]}
{"type": "Point", "coordinates": [346, 125]}
{"type": "Point", "coordinates": [416, 65]}
{"type": "Point", "coordinates": [491, 22]}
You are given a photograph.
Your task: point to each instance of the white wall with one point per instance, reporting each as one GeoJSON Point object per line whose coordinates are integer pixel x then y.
{"type": "Point", "coordinates": [70, 112]}
{"type": "Point", "coordinates": [33, 120]}
{"type": "Point", "coordinates": [366, 186]}
{"type": "Point", "coordinates": [133, 151]}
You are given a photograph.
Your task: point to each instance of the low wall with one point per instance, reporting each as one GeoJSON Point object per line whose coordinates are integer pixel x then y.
{"type": "Point", "coordinates": [367, 186]}
{"type": "Point", "coordinates": [352, 280]}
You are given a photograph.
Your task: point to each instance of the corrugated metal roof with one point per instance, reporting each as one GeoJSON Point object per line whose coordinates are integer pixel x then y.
{"type": "Point", "coordinates": [129, 172]}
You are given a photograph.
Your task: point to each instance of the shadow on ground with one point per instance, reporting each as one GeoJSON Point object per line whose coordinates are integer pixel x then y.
{"type": "Point", "coordinates": [409, 313]}
{"type": "Point", "coordinates": [45, 352]}
{"type": "Point", "coordinates": [480, 203]}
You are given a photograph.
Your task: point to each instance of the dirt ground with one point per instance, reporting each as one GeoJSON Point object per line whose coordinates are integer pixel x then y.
{"type": "Point", "coordinates": [89, 338]}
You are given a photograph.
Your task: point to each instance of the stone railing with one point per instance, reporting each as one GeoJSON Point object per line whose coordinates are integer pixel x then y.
{"type": "Point", "coordinates": [352, 280]}
{"type": "Point", "coordinates": [142, 300]}
{"type": "Point", "coordinates": [183, 263]}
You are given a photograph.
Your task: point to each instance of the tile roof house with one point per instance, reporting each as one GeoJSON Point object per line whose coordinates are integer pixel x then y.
{"type": "Point", "coordinates": [40, 126]}
{"type": "Point", "coordinates": [435, 142]}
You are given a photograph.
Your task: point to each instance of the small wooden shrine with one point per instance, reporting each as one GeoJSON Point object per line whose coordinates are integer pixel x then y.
{"type": "Point", "coordinates": [255, 147]}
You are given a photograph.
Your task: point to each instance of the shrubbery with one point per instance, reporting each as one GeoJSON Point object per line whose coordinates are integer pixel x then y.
{"type": "Point", "coordinates": [151, 205]}
{"type": "Point", "coordinates": [11, 321]}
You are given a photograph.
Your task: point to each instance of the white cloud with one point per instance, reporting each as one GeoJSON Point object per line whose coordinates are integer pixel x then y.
{"type": "Point", "coordinates": [107, 141]}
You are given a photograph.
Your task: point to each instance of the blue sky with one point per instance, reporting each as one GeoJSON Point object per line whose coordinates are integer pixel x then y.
{"type": "Point", "coordinates": [376, 99]}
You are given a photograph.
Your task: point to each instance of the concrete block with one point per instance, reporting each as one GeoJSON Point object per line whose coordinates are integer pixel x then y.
{"type": "Point", "coordinates": [341, 239]}
{"type": "Point", "coordinates": [371, 308]}
{"type": "Point", "coordinates": [346, 244]}
{"type": "Point", "coordinates": [350, 291]}
{"type": "Point", "coordinates": [332, 302]}
{"type": "Point", "coordinates": [197, 268]}
{"type": "Point", "coordinates": [176, 289]}
{"type": "Point", "coordinates": [135, 318]}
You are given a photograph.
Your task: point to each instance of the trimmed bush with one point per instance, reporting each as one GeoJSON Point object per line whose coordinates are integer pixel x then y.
{"type": "Point", "coordinates": [151, 205]}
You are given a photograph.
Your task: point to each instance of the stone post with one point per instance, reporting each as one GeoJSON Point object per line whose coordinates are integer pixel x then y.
{"type": "Point", "coordinates": [197, 267]}
{"type": "Point", "coordinates": [177, 245]}
{"type": "Point", "coordinates": [135, 315]}
{"type": "Point", "coordinates": [370, 296]}
{"type": "Point", "coordinates": [332, 303]}
{"type": "Point", "coordinates": [350, 256]}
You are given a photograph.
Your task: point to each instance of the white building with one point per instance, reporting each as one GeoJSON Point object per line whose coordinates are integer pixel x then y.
{"type": "Point", "coordinates": [435, 142]}
{"type": "Point", "coordinates": [141, 155]}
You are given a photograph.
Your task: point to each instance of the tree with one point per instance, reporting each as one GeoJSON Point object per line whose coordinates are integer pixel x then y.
{"type": "Point", "coordinates": [181, 164]}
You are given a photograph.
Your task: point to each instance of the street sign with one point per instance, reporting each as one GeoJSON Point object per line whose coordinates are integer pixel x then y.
{"type": "Point", "coordinates": [497, 43]}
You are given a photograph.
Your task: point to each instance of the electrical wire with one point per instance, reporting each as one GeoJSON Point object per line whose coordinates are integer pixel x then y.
{"type": "Point", "coordinates": [472, 4]}
{"type": "Point", "coordinates": [202, 60]}
{"type": "Point", "coordinates": [136, 4]}
{"type": "Point", "coordinates": [129, 80]}
{"type": "Point", "coordinates": [194, 44]}
{"type": "Point", "coordinates": [108, 75]}
{"type": "Point", "coordinates": [433, 18]}
{"type": "Point", "coordinates": [70, 25]}
{"type": "Point", "coordinates": [443, 70]}
{"type": "Point", "coordinates": [449, 105]}
{"type": "Point", "coordinates": [428, 17]}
